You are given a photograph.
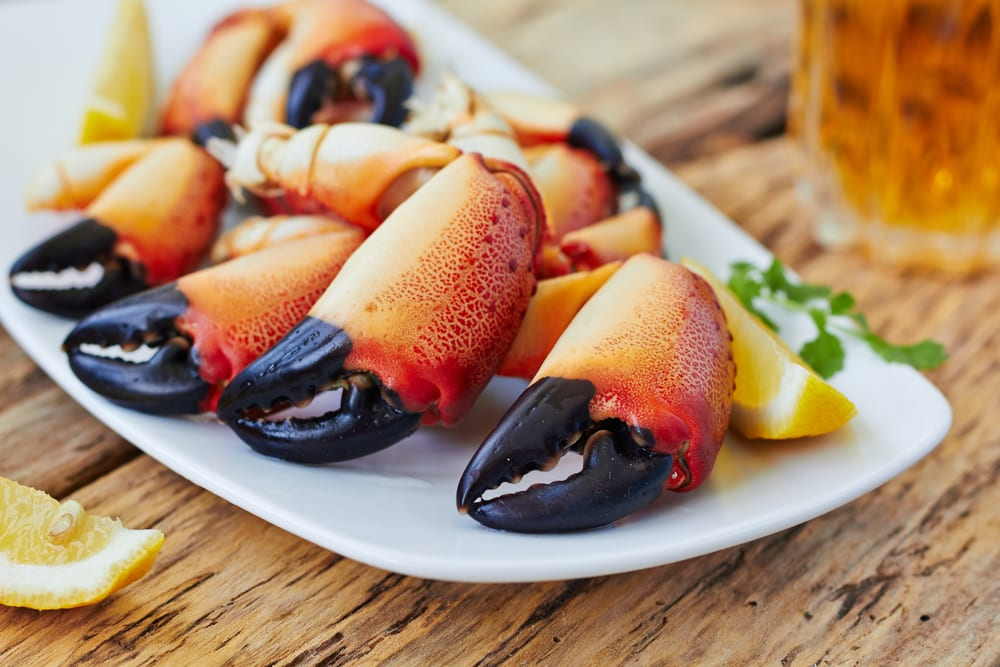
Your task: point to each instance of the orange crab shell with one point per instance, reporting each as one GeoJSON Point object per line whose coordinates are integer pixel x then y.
{"type": "Point", "coordinates": [215, 83]}
{"type": "Point", "coordinates": [617, 238]}
{"type": "Point", "coordinates": [576, 190]}
{"type": "Point", "coordinates": [241, 308]}
{"type": "Point", "coordinates": [554, 304]}
{"type": "Point", "coordinates": [433, 299]}
{"type": "Point", "coordinates": [534, 118]}
{"type": "Point", "coordinates": [654, 342]}
{"type": "Point", "coordinates": [339, 30]}
{"type": "Point", "coordinates": [349, 169]}
{"type": "Point", "coordinates": [165, 208]}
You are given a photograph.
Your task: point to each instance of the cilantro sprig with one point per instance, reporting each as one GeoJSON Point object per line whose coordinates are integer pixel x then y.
{"type": "Point", "coordinates": [832, 312]}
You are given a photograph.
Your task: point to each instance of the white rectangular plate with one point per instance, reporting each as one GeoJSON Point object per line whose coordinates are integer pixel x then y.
{"type": "Point", "coordinates": [396, 510]}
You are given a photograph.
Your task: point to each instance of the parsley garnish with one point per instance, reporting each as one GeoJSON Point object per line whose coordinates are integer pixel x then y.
{"type": "Point", "coordinates": [831, 312]}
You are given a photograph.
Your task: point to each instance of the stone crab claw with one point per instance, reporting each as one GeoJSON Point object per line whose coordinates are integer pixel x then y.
{"type": "Point", "coordinates": [195, 334]}
{"type": "Point", "coordinates": [150, 211]}
{"type": "Point", "coordinates": [412, 328]}
{"type": "Point", "coordinates": [298, 62]}
{"type": "Point", "coordinates": [640, 383]}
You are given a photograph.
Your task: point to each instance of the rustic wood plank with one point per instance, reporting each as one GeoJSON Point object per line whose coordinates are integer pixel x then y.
{"type": "Point", "coordinates": [46, 439]}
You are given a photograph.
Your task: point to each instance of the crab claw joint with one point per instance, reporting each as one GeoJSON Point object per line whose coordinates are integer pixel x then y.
{"type": "Point", "coordinates": [640, 383]}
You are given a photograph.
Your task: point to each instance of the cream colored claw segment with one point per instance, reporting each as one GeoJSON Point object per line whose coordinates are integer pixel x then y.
{"type": "Point", "coordinates": [349, 169]}
{"type": "Point", "coordinates": [257, 233]}
{"type": "Point", "coordinates": [462, 117]}
{"type": "Point", "coordinates": [617, 238]}
{"type": "Point", "coordinates": [265, 102]}
{"type": "Point", "coordinates": [78, 177]}
{"type": "Point", "coordinates": [553, 306]}
{"type": "Point", "coordinates": [535, 119]}
{"type": "Point", "coordinates": [214, 83]}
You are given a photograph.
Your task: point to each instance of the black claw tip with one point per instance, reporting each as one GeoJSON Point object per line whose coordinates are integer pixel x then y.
{"type": "Point", "coordinates": [77, 248]}
{"type": "Point", "coordinates": [552, 416]}
{"type": "Point", "coordinates": [213, 129]}
{"type": "Point", "coordinates": [167, 383]}
{"type": "Point", "coordinates": [388, 84]}
{"type": "Point", "coordinates": [618, 478]}
{"type": "Point", "coordinates": [590, 135]}
{"type": "Point", "coordinates": [311, 87]}
{"type": "Point", "coordinates": [646, 199]}
{"type": "Point", "coordinates": [306, 362]}
{"type": "Point", "coordinates": [530, 436]}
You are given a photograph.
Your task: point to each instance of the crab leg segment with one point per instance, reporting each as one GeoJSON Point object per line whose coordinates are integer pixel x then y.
{"type": "Point", "coordinates": [585, 181]}
{"type": "Point", "coordinates": [613, 239]}
{"type": "Point", "coordinates": [257, 233]}
{"type": "Point", "coordinates": [294, 62]}
{"type": "Point", "coordinates": [460, 116]}
{"type": "Point", "coordinates": [412, 328]}
{"type": "Point", "coordinates": [205, 327]}
{"type": "Point", "coordinates": [355, 171]}
{"type": "Point", "coordinates": [151, 223]}
{"type": "Point", "coordinates": [76, 179]}
{"type": "Point", "coordinates": [553, 306]}
{"type": "Point", "coordinates": [213, 86]}
{"type": "Point", "coordinates": [641, 383]}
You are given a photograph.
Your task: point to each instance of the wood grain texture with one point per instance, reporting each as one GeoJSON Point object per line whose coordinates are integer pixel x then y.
{"type": "Point", "coordinates": [904, 575]}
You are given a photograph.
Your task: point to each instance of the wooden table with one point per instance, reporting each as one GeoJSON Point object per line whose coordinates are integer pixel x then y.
{"type": "Point", "coordinates": [905, 575]}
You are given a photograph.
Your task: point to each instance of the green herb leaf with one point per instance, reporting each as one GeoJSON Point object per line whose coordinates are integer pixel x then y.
{"type": "Point", "coordinates": [923, 355]}
{"type": "Point", "coordinates": [825, 353]}
{"type": "Point", "coordinates": [747, 289]}
{"type": "Point", "coordinates": [841, 303]}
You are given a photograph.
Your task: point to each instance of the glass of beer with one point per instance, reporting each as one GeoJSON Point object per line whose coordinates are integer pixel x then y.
{"type": "Point", "coordinates": [895, 108]}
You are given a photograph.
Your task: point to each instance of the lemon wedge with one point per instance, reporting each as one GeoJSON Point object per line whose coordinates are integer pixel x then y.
{"type": "Point", "coordinates": [54, 555]}
{"type": "Point", "coordinates": [777, 395]}
{"type": "Point", "coordinates": [122, 97]}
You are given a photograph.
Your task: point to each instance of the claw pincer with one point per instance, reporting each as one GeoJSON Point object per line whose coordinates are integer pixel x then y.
{"type": "Point", "coordinates": [201, 330]}
{"type": "Point", "coordinates": [299, 62]}
{"type": "Point", "coordinates": [150, 216]}
{"type": "Point", "coordinates": [640, 383]}
{"type": "Point", "coordinates": [412, 328]}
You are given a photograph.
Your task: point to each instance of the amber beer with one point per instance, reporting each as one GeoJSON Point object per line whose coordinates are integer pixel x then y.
{"type": "Point", "coordinates": [896, 110]}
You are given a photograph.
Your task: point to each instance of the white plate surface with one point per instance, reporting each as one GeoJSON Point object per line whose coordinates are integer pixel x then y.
{"type": "Point", "coordinates": [396, 510]}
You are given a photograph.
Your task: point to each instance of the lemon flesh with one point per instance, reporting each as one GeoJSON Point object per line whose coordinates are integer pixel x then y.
{"type": "Point", "coordinates": [122, 97]}
{"type": "Point", "coordinates": [54, 555]}
{"type": "Point", "coordinates": [777, 396]}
